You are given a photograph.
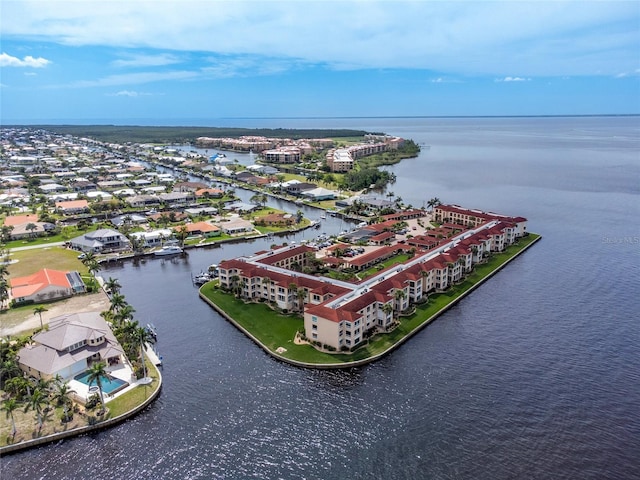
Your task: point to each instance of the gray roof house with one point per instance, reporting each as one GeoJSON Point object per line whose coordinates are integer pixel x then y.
{"type": "Point", "coordinates": [100, 241]}
{"type": "Point", "coordinates": [71, 344]}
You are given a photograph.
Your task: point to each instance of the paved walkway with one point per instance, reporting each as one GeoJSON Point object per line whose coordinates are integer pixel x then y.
{"type": "Point", "coordinates": [33, 247]}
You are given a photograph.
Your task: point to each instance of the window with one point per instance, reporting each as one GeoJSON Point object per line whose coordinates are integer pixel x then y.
{"type": "Point", "coordinates": [314, 319]}
{"type": "Point", "coordinates": [314, 335]}
{"type": "Point", "coordinates": [314, 327]}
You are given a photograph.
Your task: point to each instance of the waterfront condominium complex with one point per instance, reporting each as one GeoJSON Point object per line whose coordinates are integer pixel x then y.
{"type": "Point", "coordinates": [339, 315]}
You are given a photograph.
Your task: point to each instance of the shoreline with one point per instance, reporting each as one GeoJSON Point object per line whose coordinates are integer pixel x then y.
{"type": "Point", "coordinates": [391, 348]}
{"type": "Point", "coordinates": [110, 422]}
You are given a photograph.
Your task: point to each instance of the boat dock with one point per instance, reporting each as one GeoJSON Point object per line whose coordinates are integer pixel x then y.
{"type": "Point", "coordinates": [152, 354]}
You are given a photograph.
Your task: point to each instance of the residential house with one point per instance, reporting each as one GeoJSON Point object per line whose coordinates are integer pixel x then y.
{"type": "Point", "coordinates": [103, 240]}
{"type": "Point", "coordinates": [46, 285]}
{"type": "Point", "coordinates": [72, 207]}
{"type": "Point", "coordinates": [70, 346]}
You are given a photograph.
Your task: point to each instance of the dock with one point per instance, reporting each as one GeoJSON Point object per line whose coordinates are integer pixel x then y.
{"type": "Point", "coordinates": [152, 354]}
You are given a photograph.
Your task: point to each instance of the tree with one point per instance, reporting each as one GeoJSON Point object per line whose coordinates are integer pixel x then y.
{"type": "Point", "coordinates": [234, 281]}
{"type": "Point", "coordinates": [266, 282]}
{"type": "Point", "coordinates": [93, 267]}
{"type": "Point", "coordinates": [38, 311]}
{"type": "Point", "coordinates": [4, 293]}
{"type": "Point", "coordinates": [9, 405]}
{"type": "Point", "coordinates": [181, 234]}
{"type": "Point", "coordinates": [117, 302]}
{"type": "Point", "coordinates": [434, 202]}
{"type": "Point", "coordinates": [112, 286]}
{"type": "Point", "coordinates": [36, 402]}
{"type": "Point", "coordinates": [399, 295]}
{"type": "Point", "coordinates": [88, 257]}
{"type": "Point", "coordinates": [5, 234]}
{"type": "Point", "coordinates": [387, 308]}
{"type": "Point", "coordinates": [31, 227]}
{"type": "Point", "coordinates": [142, 336]}
{"type": "Point", "coordinates": [96, 373]}
{"type": "Point", "coordinates": [301, 295]}
{"type": "Point", "coordinates": [62, 397]}
{"type": "Point", "coordinates": [123, 315]}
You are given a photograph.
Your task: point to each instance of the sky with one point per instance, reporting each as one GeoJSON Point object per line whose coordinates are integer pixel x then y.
{"type": "Point", "coordinates": [95, 60]}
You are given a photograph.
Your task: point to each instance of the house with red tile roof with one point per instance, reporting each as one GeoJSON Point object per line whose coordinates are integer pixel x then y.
{"type": "Point", "coordinates": [201, 228]}
{"type": "Point", "coordinates": [45, 285]}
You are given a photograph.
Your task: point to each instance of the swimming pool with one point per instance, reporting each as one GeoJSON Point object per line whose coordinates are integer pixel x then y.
{"type": "Point", "coordinates": [109, 384]}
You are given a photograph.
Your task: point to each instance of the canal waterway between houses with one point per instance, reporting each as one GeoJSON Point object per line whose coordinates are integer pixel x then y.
{"type": "Point", "coordinates": [534, 375]}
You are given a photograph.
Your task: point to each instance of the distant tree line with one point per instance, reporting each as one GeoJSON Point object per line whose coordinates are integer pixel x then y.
{"type": "Point", "coordinates": [181, 135]}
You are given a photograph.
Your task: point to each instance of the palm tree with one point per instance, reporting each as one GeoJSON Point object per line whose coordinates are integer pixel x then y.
{"type": "Point", "coordinates": [387, 308]}
{"type": "Point", "coordinates": [38, 311]}
{"type": "Point", "coordinates": [125, 313]}
{"type": "Point", "coordinates": [142, 336]}
{"type": "Point", "coordinates": [117, 302]}
{"type": "Point", "coordinates": [399, 295]}
{"type": "Point", "coordinates": [301, 295]}
{"type": "Point", "coordinates": [181, 234]}
{"type": "Point", "coordinates": [424, 274]}
{"type": "Point", "coordinates": [36, 402]}
{"type": "Point", "coordinates": [233, 283]}
{"type": "Point", "coordinates": [434, 202]}
{"type": "Point", "coordinates": [96, 373]}
{"type": "Point", "coordinates": [266, 282]}
{"type": "Point", "coordinates": [89, 257]}
{"type": "Point", "coordinates": [112, 286]}
{"type": "Point", "coordinates": [9, 405]}
{"type": "Point", "coordinates": [62, 397]}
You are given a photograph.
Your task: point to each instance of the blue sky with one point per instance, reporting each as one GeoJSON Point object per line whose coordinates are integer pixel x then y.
{"type": "Point", "coordinates": [163, 59]}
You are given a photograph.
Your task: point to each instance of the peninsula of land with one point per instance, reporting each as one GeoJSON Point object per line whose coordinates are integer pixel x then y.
{"type": "Point", "coordinates": [362, 294]}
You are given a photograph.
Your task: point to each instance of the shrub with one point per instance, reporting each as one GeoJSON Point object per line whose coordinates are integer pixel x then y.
{"type": "Point", "coordinates": [92, 402]}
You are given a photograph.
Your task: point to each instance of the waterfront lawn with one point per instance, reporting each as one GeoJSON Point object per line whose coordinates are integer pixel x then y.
{"type": "Point", "coordinates": [136, 396]}
{"type": "Point", "coordinates": [55, 258]}
{"type": "Point", "coordinates": [275, 330]}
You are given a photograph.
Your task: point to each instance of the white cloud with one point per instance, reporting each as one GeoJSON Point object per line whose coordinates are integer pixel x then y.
{"type": "Point", "coordinates": [634, 73]}
{"type": "Point", "coordinates": [513, 79]}
{"type": "Point", "coordinates": [7, 60]}
{"type": "Point", "coordinates": [137, 78]}
{"type": "Point", "coordinates": [146, 60]}
{"type": "Point", "coordinates": [471, 38]}
{"type": "Point", "coordinates": [129, 93]}
{"type": "Point", "coordinates": [444, 80]}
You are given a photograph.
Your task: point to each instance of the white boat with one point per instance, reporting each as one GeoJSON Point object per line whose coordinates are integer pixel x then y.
{"type": "Point", "coordinates": [168, 250]}
{"type": "Point", "coordinates": [323, 216]}
{"type": "Point", "coordinates": [202, 278]}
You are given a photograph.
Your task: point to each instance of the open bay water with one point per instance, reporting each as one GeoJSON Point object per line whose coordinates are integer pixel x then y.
{"type": "Point", "coordinates": [535, 375]}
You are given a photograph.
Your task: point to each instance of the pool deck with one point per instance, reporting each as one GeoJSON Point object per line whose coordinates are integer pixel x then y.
{"type": "Point", "coordinates": [121, 372]}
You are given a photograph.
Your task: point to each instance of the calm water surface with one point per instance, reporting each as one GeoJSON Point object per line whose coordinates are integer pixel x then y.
{"type": "Point", "coordinates": [535, 375]}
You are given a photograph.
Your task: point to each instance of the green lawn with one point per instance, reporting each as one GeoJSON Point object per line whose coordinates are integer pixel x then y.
{"type": "Point", "coordinates": [395, 260]}
{"type": "Point", "coordinates": [55, 258]}
{"type": "Point", "coordinates": [131, 399]}
{"type": "Point", "coordinates": [274, 329]}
